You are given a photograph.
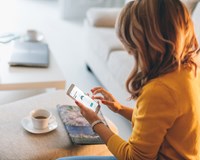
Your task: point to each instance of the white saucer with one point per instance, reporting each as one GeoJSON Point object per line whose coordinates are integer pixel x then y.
{"type": "Point", "coordinates": [27, 124]}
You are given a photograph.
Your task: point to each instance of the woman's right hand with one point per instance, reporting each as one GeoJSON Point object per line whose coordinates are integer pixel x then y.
{"type": "Point", "coordinates": [106, 98]}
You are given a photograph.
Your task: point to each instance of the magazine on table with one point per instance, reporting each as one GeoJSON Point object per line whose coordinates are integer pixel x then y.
{"type": "Point", "coordinates": [77, 127]}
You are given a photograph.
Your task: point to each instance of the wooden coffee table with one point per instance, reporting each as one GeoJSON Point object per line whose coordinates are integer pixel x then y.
{"type": "Point", "coordinates": [17, 143]}
{"type": "Point", "coordinates": [14, 78]}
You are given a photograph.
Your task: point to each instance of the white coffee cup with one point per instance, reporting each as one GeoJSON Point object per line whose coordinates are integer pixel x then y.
{"type": "Point", "coordinates": [40, 118]}
{"type": "Point", "coordinates": [33, 36]}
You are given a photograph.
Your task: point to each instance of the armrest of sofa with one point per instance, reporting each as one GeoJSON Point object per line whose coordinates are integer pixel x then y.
{"type": "Point", "coordinates": [102, 17]}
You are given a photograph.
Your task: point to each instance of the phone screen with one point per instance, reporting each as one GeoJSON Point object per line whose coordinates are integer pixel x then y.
{"type": "Point", "coordinates": [81, 97]}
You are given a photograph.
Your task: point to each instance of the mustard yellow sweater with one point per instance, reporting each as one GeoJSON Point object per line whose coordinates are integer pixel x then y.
{"type": "Point", "coordinates": [166, 120]}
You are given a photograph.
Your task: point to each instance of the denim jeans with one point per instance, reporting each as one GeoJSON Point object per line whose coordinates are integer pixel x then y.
{"type": "Point", "coordinates": [88, 158]}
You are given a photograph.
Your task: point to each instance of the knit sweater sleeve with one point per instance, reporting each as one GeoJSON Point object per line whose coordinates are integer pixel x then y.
{"type": "Point", "coordinates": [155, 113]}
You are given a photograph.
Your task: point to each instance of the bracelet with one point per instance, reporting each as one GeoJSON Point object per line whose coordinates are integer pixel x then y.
{"type": "Point", "coordinates": [96, 122]}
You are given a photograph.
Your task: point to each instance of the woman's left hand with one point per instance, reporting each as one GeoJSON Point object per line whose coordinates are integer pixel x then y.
{"type": "Point", "coordinates": [102, 130]}
{"type": "Point", "coordinates": [89, 114]}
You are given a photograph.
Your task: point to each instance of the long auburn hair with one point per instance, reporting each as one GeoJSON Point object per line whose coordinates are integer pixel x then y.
{"type": "Point", "coordinates": [160, 35]}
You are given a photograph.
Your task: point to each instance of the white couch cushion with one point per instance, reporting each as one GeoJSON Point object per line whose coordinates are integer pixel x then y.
{"type": "Point", "coordinates": [126, 1]}
{"type": "Point", "coordinates": [71, 9]}
{"type": "Point", "coordinates": [190, 4]}
{"type": "Point", "coordinates": [102, 17]}
{"type": "Point", "coordinates": [102, 41]}
{"type": "Point", "coordinates": [120, 64]}
{"type": "Point", "coordinates": [196, 21]}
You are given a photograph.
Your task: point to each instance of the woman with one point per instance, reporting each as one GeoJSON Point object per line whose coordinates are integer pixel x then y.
{"type": "Point", "coordinates": [165, 82]}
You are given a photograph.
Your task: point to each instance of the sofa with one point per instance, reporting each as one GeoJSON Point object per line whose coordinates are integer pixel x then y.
{"type": "Point", "coordinates": [107, 59]}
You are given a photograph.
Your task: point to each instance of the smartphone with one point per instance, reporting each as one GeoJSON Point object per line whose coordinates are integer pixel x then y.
{"type": "Point", "coordinates": [75, 93]}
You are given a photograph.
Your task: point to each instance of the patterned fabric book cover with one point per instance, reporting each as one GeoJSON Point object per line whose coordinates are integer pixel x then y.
{"type": "Point", "coordinates": [77, 127]}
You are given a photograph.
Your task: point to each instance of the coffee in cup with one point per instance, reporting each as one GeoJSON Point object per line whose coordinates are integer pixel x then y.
{"type": "Point", "coordinates": [40, 118]}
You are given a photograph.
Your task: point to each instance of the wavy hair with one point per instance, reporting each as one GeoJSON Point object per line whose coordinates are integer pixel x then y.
{"type": "Point", "coordinates": [160, 35]}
